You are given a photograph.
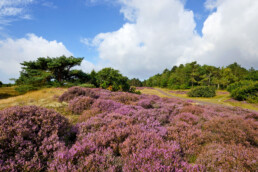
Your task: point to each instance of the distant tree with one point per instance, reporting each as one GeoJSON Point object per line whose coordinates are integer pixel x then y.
{"type": "Point", "coordinates": [252, 74]}
{"type": "Point", "coordinates": [78, 76]}
{"type": "Point", "coordinates": [44, 70]}
{"type": "Point", "coordinates": [209, 73]}
{"type": "Point", "coordinates": [93, 78]}
{"type": "Point", "coordinates": [194, 72]}
{"type": "Point", "coordinates": [164, 78]}
{"type": "Point", "coordinates": [239, 72]}
{"type": "Point", "coordinates": [1, 84]}
{"type": "Point", "coordinates": [227, 77]}
{"type": "Point", "coordinates": [135, 82]}
{"type": "Point", "coordinates": [112, 79]}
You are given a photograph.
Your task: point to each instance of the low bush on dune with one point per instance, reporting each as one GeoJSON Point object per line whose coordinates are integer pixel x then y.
{"type": "Point", "coordinates": [128, 132]}
{"type": "Point", "coordinates": [74, 92]}
{"type": "Point", "coordinates": [79, 104]}
{"type": "Point", "coordinates": [29, 136]}
{"type": "Point", "coordinates": [244, 90]}
{"type": "Point", "coordinates": [202, 91]}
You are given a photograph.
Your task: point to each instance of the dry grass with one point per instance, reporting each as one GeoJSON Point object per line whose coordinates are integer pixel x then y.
{"type": "Point", "coordinates": [44, 98]}
{"type": "Point", "coordinates": [6, 92]}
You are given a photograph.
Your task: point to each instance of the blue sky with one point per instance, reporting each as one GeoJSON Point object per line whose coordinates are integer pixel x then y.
{"type": "Point", "coordinates": [132, 36]}
{"type": "Point", "coordinates": [68, 21]}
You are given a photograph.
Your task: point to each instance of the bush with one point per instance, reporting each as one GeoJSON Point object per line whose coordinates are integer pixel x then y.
{"type": "Point", "coordinates": [79, 104]}
{"type": "Point", "coordinates": [22, 89]}
{"type": "Point", "coordinates": [245, 90]}
{"type": "Point", "coordinates": [77, 91]}
{"type": "Point", "coordinates": [29, 137]}
{"type": "Point", "coordinates": [236, 85]}
{"type": "Point", "coordinates": [222, 157]}
{"type": "Point", "coordinates": [106, 105]}
{"type": "Point", "coordinates": [202, 91]}
{"type": "Point", "coordinates": [87, 85]}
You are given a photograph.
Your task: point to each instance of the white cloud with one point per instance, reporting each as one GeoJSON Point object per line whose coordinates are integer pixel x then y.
{"type": "Point", "coordinates": [49, 4]}
{"type": "Point", "coordinates": [232, 34]}
{"type": "Point", "coordinates": [13, 9]}
{"type": "Point", "coordinates": [15, 51]}
{"type": "Point", "coordinates": [161, 33]}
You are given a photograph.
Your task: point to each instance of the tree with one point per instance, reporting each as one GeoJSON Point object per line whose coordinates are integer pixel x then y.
{"type": "Point", "coordinates": [1, 84]}
{"type": "Point", "coordinates": [44, 70]}
{"type": "Point", "coordinates": [193, 67]}
{"type": "Point", "coordinates": [252, 74]}
{"type": "Point", "coordinates": [239, 72]}
{"type": "Point", "coordinates": [209, 73]}
{"type": "Point", "coordinates": [78, 76]}
{"type": "Point", "coordinates": [135, 82]}
{"type": "Point", "coordinates": [93, 78]}
{"type": "Point", "coordinates": [111, 78]}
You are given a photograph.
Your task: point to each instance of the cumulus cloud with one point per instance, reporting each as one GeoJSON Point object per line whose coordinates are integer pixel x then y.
{"type": "Point", "coordinates": [231, 33]}
{"type": "Point", "coordinates": [161, 33]}
{"type": "Point", "coordinates": [15, 51]}
{"type": "Point", "coordinates": [157, 34]}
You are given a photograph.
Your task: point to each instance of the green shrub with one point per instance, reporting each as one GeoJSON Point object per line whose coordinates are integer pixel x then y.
{"type": "Point", "coordinates": [133, 90]}
{"type": "Point", "coordinates": [202, 91]}
{"type": "Point", "coordinates": [236, 85]}
{"type": "Point", "coordinates": [22, 89]}
{"type": "Point", "coordinates": [247, 92]}
{"type": "Point", "coordinates": [87, 85]}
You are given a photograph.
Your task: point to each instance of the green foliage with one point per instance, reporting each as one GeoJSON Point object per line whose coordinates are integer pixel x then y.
{"type": "Point", "coordinates": [202, 91]}
{"type": "Point", "coordinates": [87, 85]}
{"type": "Point", "coordinates": [112, 79]}
{"type": "Point", "coordinates": [45, 72]}
{"type": "Point", "coordinates": [192, 74]}
{"type": "Point", "coordinates": [25, 88]}
{"type": "Point", "coordinates": [135, 82]}
{"type": "Point", "coordinates": [133, 90]}
{"type": "Point", "coordinates": [244, 90]}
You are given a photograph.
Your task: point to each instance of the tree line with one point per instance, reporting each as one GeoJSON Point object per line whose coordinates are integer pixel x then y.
{"type": "Point", "coordinates": [193, 74]}
{"type": "Point", "coordinates": [60, 72]}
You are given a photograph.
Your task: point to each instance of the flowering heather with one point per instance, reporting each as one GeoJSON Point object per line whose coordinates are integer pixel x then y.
{"type": "Point", "coordinates": [77, 91]}
{"type": "Point", "coordinates": [223, 157]}
{"type": "Point", "coordinates": [106, 105]}
{"type": "Point", "coordinates": [79, 104]}
{"type": "Point", "coordinates": [29, 136]}
{"type": "Point", "coordinates": [125, 98]}
{"type": "Point", "coordinates": [128, 132]}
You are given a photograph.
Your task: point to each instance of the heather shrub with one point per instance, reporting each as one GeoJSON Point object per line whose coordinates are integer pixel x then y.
{"type": "Point", "coordinates": [106, 105]}
{"type": "Point", "coordinates": [79, 104]}
{"type": "Point", "coordinates": [202, 91]}
{"type": "Point", "coordinates": [77, 91]}
{"type": "Point", "coordinates": [163, 157]}
{"type": "Point", "coordinates": [146, 103]}
{"type": "Point", "coordinates": [85, 156]}
{"type": "Point", "coordinates": [232, 130]}
{"type": "Point", "coordinates": [223, 157]}
{"type": "Point", "coordinates": [192, 109]}
{"type": "Point", "coordinates": [190, 138]}
{"type": "Point", "coordinates": [29, 137]}
{"type": "Point", "coordinates": [125, 98]}
{"type": "Point", "coordinates": [88, 114]}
